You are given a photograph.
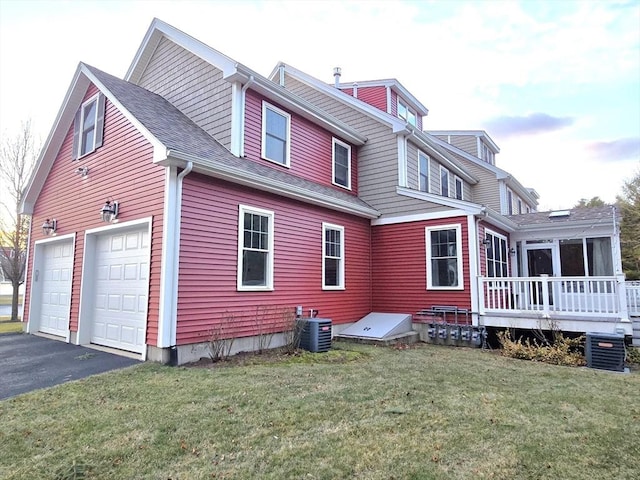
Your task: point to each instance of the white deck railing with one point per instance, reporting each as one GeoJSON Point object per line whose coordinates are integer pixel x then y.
{"type": "Point", "coordinates": [601, 297]}
{"type": "Point", "coordinates": [633, 298]}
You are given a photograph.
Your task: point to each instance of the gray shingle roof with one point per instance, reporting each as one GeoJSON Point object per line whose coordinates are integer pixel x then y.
{"type": "Point", "coordinates": [179, 133]}
{"type": "Point", "coordinates": [596, 215]}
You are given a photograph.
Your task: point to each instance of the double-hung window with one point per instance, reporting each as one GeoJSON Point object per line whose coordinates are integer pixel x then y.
{"type": "Point", "coordinates": [459, 188]}
{"type": "Point", "coordinates": [88, 126]}
{"type": "Point", "coordinates": [423, 172]}
{"type": "Point", "coordinates": [444, 257]}
{"type": "Point", "coordinates": [332, 257]}
{"type": "Point", "coordinates": [341, 164]}
{"type": "Point", "coordinates": [509, 202]}
{"type": "Point", "coordinates": [255, 249]}
{"type": "Point", "coordinates": [444, 181]}
{"type": "Point", "coordinates": [276, 134]}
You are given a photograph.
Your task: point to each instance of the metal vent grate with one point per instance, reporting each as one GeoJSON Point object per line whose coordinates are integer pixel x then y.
{"type": "Point", "coordinates": [605, 351]}
{"type": "Point", "coordinates": [316, 334]}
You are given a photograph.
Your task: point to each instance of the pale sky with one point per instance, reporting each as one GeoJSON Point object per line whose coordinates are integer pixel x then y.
{"type": "Point", "coordinates": [556, 84]}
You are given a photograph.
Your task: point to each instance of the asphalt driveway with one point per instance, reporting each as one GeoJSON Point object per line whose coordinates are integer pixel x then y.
{"type": "Point", "coordinates": [29, 362]}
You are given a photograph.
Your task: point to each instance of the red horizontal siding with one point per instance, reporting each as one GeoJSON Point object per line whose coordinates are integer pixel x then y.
{"type": "Point", "coordinates": [482, 228]}
{"type": "Point", "coordinates": [207, 296]}
{"type": "Point", "coordinates": [399, 268]}
{"type": "Point", "coordinates": [311, 146]}
{"type": "Point", "coordinates": [123, 170]}
{"type": "Point", "coordinates": [374, 96]}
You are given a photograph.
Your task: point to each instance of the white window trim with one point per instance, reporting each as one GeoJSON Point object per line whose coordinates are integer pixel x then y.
{"type": "Point", "coordinates": [335, 142]}
{"type": "Point", "coordinates": [95, 99]}
{"type": "Point", "coordinates": [263, 147]}
{"type": "Point", "coordinates": [409, 111]}
{"type": "Point", "coordinates": [486, 257]}
{"type": "Point", "coordinates": [420, 152]}
{"type": "Point", "coordinates": [444, 169]}
{"type": "Point", "coordinates": [458, 230]}
{"type": "Point", "coordinates": [242, 209]}
{"type": "Point", "coordinates": [340, 228]}
{"type": "Point", "coordinates": [509, 202]}
{"type": "Point", "coordinates": [457, 179]}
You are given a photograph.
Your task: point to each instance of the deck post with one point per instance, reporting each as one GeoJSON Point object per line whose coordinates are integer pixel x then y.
{"type": "Point", "coordinates": [622, 298]}
{"type": "Point", "coordinates": [544, 283]}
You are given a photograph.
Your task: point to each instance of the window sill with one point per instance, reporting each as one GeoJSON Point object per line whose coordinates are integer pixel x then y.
{"type": "Point", "coordinates": [255, 289]}
{"type": "Point", "coordinates": [275, 162]}
{"type": "Point", "coordinates": [333, 289]}
{"type": "Point", "coordinates": [342, 186]}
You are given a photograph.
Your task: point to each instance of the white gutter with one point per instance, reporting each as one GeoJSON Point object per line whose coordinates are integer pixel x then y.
{"type": "Point", "coordinates": [279, 187]}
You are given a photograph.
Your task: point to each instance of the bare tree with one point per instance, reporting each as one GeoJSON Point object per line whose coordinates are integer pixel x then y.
{"type": "Point", "coordinates": [17, 158]}
{"type": "Point", "coordinates": [629, 205]}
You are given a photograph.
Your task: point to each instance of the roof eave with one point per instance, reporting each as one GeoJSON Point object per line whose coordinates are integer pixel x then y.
{"type": "Point", "coordinates": [259, 182]}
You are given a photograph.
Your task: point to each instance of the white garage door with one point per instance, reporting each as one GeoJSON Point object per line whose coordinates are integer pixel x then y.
{"type": "Point", "coordinates": [56, 288]}
{"type": "Point", "coordinates": [121, 286]}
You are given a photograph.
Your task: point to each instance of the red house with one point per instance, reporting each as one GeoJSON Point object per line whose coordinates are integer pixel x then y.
{"type": "Point", "coordinates": [197, 197]}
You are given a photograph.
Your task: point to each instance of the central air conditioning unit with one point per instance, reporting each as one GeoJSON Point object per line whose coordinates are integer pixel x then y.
{"type": "Point", "coordinates": [605, 351]}
{"type": "Point", "coordinates": [315, 334]}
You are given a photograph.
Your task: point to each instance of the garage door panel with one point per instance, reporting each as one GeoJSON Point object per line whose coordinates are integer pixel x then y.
{"type": "Point", "coordinates": [121, 290]}
{"type": "Point", "coordinates": [57, 264]}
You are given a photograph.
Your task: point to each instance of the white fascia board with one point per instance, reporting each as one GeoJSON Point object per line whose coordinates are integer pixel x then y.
{"type": "Point", "coordinates": [526, 193]}
{"type": "Point", "coordinates": [242, 177]}
{"type": "Point", "coordinates": [425, 142]}
{"type": "Point", "coordinates": [393, 84]}
{"type": "Point", "coordinates": [476, 133]}
{"type": "Point", "coordinates": [500, 221]}
{"type": "Point", "coordinates": [418, 217]}
{"type": "Point", "coordinates": [66, 115]}
{"type": "Point", "coordinates": [159, 150]}
{"type": "Point", "coordinates": [467, 207]}
{"type": "Point", "coordinates": [306, 110]}
{"type": "Point", "coordinates": [397, 124]}
{"type": "Point", "coordinates": [151, 40]}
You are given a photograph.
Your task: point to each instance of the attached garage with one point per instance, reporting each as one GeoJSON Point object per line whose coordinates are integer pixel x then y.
{"type": "Point", "coordinates": [52, 287]}
{"type": "Point", "coordinates": [115, 288]}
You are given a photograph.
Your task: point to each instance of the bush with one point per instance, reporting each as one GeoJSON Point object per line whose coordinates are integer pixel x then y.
{"type": "Point", "coordinates": [632, 355]}
{"type": "Point", "coordinates": [562, 351]}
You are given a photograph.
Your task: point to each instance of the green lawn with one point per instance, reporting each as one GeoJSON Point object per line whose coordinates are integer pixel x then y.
{"type": "Point", "coordinates": [10, 327]}
{"type": "Point", "coordinates": [429, 412]}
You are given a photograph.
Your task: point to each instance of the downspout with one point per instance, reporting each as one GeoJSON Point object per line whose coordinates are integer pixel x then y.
{"type": "Point", "coordinates": [25, 326]}
{"type": "Point", "coordinates": [176, 255]}
{"type": "Point", "coordinates": [242, 115]}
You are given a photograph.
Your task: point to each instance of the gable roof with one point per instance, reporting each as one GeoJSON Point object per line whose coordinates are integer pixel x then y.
{"type": "Point", "coordinates": [527, 193]}
{"type": "Point", "coordinates": [474, 133]}
{"type": "Point", "coordinates": [233, 71]}
{"type": "Point", "coordinates": [394, 85]}
{"type": "Point", "coordinates": [177, 140]}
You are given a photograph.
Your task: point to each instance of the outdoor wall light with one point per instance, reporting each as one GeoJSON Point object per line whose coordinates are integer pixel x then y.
{"type": "Point", "coordinates": [109, 211]}
{"type": "Point", "coordinates": [49, 227]}
{"type": "Point", "coordinates": [512, 251]}
{"type": "Point", "coordinates": [82, 171]}
{"type": "Point", "coordinates": [487, 241]}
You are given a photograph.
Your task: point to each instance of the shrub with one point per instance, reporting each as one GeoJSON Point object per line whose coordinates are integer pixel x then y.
{"type": "Point", "coordinates": [561, 351]}
{"type": "Point", "coordinates": [632, 356]}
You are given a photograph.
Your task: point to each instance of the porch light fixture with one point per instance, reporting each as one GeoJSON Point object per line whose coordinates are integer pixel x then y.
{"type": "Point", "coordinates": [487, 241]}
{"type": "Point", "coordinates": [49, 227]}
{"type": "Point", "coordinates": [82, 171]}
{"type": "Point", "coordinates": [512, 251]}
{"type": "Point", "coordinates": [109, 211]}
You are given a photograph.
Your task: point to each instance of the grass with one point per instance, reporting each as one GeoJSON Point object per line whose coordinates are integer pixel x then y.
{"type": "Point", "coordinates": [361, 412]}
{"type": "Point", "coordinates": [10, 327]}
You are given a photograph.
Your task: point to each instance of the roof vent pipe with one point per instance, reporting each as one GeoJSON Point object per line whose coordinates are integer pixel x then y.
{"type": "Point", "coordinates": [337, 71]}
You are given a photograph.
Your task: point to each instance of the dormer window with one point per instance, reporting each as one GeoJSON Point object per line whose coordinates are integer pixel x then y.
{"type": "Point", "coordinates": [88, 126]}
{"type": "Point", "coordinates": [487, 154]}
{"type": "Point", "coordinates": [405, 113]}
